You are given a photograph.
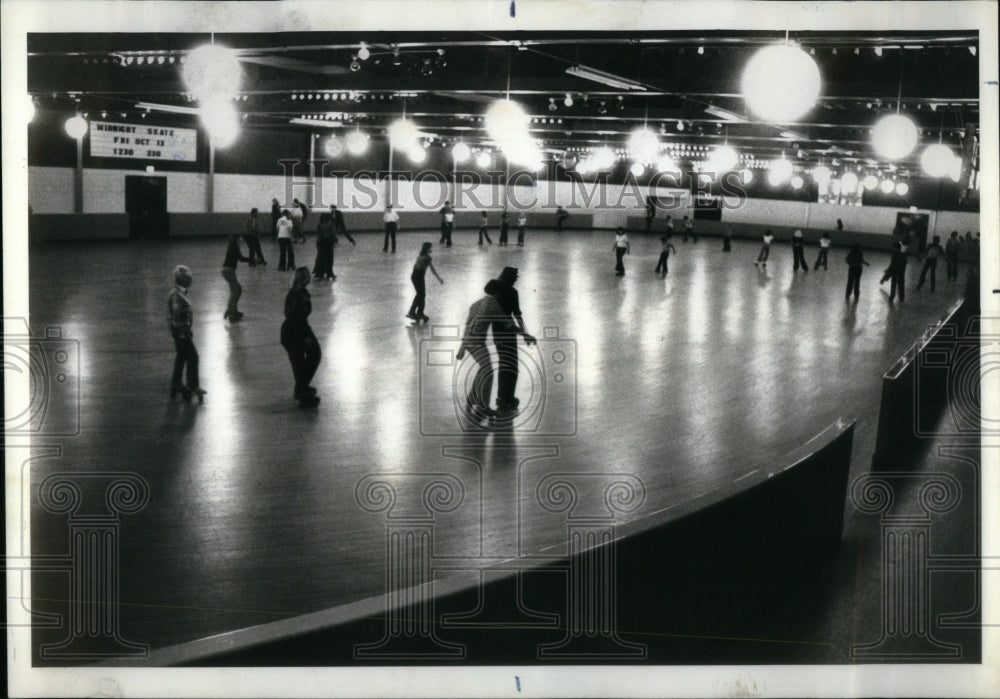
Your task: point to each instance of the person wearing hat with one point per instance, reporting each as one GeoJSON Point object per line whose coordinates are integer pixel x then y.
{"type": "Point", "coordinates": [506, 342]}
{"type": "Point", "coordinates": [180, 317]}
{"type": "Point", "coordinates": [484, 313]}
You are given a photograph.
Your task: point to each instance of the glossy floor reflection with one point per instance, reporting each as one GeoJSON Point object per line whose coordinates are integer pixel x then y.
{"type": "Point", "coordinates": [258, 510]}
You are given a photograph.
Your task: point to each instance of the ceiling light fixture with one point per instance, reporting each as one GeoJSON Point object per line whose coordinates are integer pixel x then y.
{"type": "Point", "coordinates": [603, 78]}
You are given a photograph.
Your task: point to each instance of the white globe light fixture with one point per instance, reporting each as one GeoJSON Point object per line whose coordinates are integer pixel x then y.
{"type": "Point", "coordinates": [902, 188]}
{"type": "Point", "coordinates": [781, 83]}
{"type": "Point", "coordinates": [774, 179]}
{"type": "Point", "coordinates": [506, 122]}
{"type": "Point", "coordinates": [781, 170]}
{"type": "Point", "coordinates": [417, 154]}
{"type": "Point", "coordinates": [76, 127]}
{"type": "Point", "coordinates": [797, 182]}
{"type": "Point", "coordinates": [849, 183]}
{"type": "Point", "coordinates": [356, 142]}
{"type": "Point", "coordinates": [637, 169]}
{"type": "Point", "coordinates": [212, 72]}
{"type": "Point", "coordinates": [894, 136]}
{"type": "Point", "coordinates": [955, 169]}
{"type": "Point", "coordinates": [460, 153]}
{"type": "Point", "coordinates": [643, 146]}
{"type": "Point", "coordinates": [585, 166]}
{"type": "Point", "coordinates": [403, 135]}
{"type": "Point", "coordinates": [746, 175]}
{"type": "Point", "coordinates": [722, 159]}
{"type": "Point", "coordinates": [221, 121]}
{"type": "Point", "coordinates": [936, 160]}
{"type": "Point", "coordinates": [887, 186]}
{"type": "Point", "coordinates": [821, 174]}
{"type": "Point", "coordinates": [870, 182]}
{"type": "Point", "coordinates": [666, 164]}
{"type": "Point", "coordinates": [484, 160]}
{"type": "Point", "coordinates": [604, 158]}
{"type": "Point", "coordinates": [835, 187]}
{"type": "Point", "coordinates": [333, 147]}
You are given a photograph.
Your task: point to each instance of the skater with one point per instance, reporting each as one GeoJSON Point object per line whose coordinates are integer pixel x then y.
{"type": "Point", "coordinates": [669, 223]}
{"type": "Point", "coordinates": [689, 230]}
{"type": "Point", "coordinates": [447, 223]}
{"type": "Point", "coordinates": [522, 221]}
{"type": "Point", "coordinates": [951, 256]}
{"type": "Point", "coordinates": [339, 229]}
{"type": "Point", "coordinates": [252, 238]}
{"type": "Point", "coordinates": [824, 249]}
{"type": "Point", "coordinates": [561, 216]}
{"type": "Point", "coordinates": [299, 341]}
{"type": "Point", "coordinates": [482, 314]}
{"type": "Point", "coordinates": [765, 249]}
{"type": "Point", "coordinates": [798, 252]}
{"type": "Point", "coordinates": [931, 255]}
{"type": "Point", "coordinates": [418, 275]}
{"type": "Point", "coordinates": [483, 230]}
{"type": "Point", "coordinates": [665, 250]}
{"type": "Point", "coordinates": [840, 226]}
{"type": "Point", "coordinates": [391, 219]}
{"type": "Point", "coordinates": [181, 318]}
{"type": "Point", "coordinates": [727, 237]}
{"type": "Point", "coordinates": [855, 259]}
{"type": "Point", "coordinates": [650, 213]}
{"type": "Point", "coordinates": [233, 257]}
{"type": "Point", "coordinates": [504, 229]}
{"type": "Point", "coordinates": [506, 343]}
{"type": "Point", "coordinates": [275, 215]}
{"type": "Point", "coordinates": [286, 260]}
{"type": "Point", "coordinates": [323, 268]}
{"type": "Point", "coordinates": [299, 212]}
{"type": "Point", "coordinates": [897, 273]}
{"type": "Point", "coordinates": [621, 249]}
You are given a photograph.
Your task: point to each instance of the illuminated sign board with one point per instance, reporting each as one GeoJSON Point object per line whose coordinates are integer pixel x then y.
{"type": "Point", "coordinates": [143, 141]}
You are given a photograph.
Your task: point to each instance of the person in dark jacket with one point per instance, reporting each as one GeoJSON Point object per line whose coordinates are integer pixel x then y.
{"type": "Point", "coordinates": [299, 341]}
{"type": "Point", "coordinates": [252, 238]}
{"type": "Point", "coordinates": [181, 319]}
{"type": "Point", "coordinates": [447, 223]}
{"type": "Point", "coordinates": [855, 262]}
{"type": "Point", "coordinates": [897, 273]}
{"type": "Point", "coordinates": [798, 252]}
{"type": "Point", "coordinates": [233, 256]}
{"type": "Point", "coordinates": [418, 278]}
{"type": "Point", "coordinates": [506, 341]}
{"type": "Point", "coordinates": [931, 255]}
{"type": "Point", "coordinates": [951, 249]}
{"type": "Point", "coordinates": [275, 215]}
{"type": "Point", "coordinates": [484, 228]}
{"type": "Point", "coordinates": [561, 216]}
{"type": "Point", "coordinates": [339, 229]}
{"type": "Point", "coordinates": [504, 228]}
{"type": "Point", "coordinates": [323, 268]}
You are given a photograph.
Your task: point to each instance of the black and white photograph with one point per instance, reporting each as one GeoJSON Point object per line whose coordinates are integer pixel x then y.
{"type": "Point", "coordinates": [501, 348]}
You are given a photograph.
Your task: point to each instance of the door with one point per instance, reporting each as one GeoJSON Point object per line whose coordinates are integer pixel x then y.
{"type": "Point", "coordinates": [146, 205]}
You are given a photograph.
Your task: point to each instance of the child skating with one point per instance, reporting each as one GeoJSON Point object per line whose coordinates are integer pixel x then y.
{"type": "Point", "coordinates": [181, 318]}
{"type": "Point", "coordinates": [765, 249]}
{"type": "Point", "coordinates": [665, 250]}
{"type": "Point", "coordinates": [418, 277]}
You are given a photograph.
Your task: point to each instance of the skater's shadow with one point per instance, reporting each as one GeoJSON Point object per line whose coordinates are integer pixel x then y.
{"type": "Point", "coordinates": [763, 279]}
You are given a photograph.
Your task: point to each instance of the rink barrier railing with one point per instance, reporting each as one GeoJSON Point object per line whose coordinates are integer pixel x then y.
{"type": "Point", "coordinates": [762, 531]}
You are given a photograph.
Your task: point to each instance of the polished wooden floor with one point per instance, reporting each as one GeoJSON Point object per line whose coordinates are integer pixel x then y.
{"type": "Point", "coordinates": [686, 383]}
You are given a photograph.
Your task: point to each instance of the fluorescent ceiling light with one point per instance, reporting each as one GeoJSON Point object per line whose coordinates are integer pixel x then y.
{"type": "Point", "coordinates": [172, 108]}
{"type": "Point", "coordinates": [725, 114]}
{"type": "Point", "coordinates": [316, 122]}
{"type": "Point", "coordinates": [604, 78]}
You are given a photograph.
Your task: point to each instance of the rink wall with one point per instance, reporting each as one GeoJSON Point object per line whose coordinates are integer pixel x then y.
{"type": "Point", "coordinates": [50, 191]}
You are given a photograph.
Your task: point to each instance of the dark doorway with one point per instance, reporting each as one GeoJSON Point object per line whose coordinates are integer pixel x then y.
{"type": "Point", "coordinates": [146, 204]}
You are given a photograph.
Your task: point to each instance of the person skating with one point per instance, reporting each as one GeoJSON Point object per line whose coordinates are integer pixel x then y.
{"type": "Point", "coordinates": [665, 250]}
{"type": "Point", "coordinates": [897, 273]}
{"type": "Point", "coordinates": [504, 229]}
{"type": "Point", "coordinates": [506, 342]}
{"type": "Point", "coordinates": [447, 223]}
{"type": "Point", "coordinates": [418, 277]}
{"type": "Point", "coordinates": [286, 258]}
{"type": "Point", "coordinates": [798, 252]}
{"type": "Point", "coordinates": [275, 215]}
{"type": "Point", "coordinates": [689, 230]}
{"type": "Point", "coordinates": [765, 249]}
{"type": "Point", "coordinates": [233, 257]}
{"type": "Point", "coordinates": [252, 238]}
{"type": "Point", "coordinates": [323, 268]}
{"type": "Point", "coordinates": [951, 256]}
{"type": "Point", "coordinates": [181, 318]}
{"type": "Point", "coordinates": [391, 219]}
{"type": "Point", "coordinates": [522, 221]}
{"type": "Point", "coordinates": [299, 341]}
{"type": "Point", "coordinates": [621, 248]}
{"type": "Point", "coordinates": [482, 315]}
{"type": "Point", "coordinates": [931, 255]}
{"type": "Point", "coordinates": [824, 250]}
{"type": "Point", "coordinates": [339, 229]}
{"type": "Point", "coordinates": [727, 238]}
{"type": "Point", "coordinates": [561, 216]}
{"type": "Point", "coordinates": [484, 229]}
{"type": "Point", "coordinates": [298, 212]}
{"type": "Point", "coordinates": [855, 263]}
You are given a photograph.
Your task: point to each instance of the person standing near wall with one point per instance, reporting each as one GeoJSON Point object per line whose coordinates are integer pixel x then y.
{"type": "Point", "coordinates": [855, 263]}
{"type": "Point", "coordinates": [561, 216]}
{"type": "Point", "coordinates": [689, 230]}
{"type": "Point", "coordinates": [727, 238]}
{"type": "Point", "coordinates": [951, 256]}
{"type": "Point", "coordinates": [484, 229]}
{"type": "Point", "coordinates": [391, 220]}
{"type": "Point", "coordinates": [418, 278]}
{"type": "Point", "coordinates": [447, 223]}
{"type": "Point", "coordinates": [621, 249]}
{"type": "Point", "coordinates": [233, 257]}
{"type": "Point", "coordinates": [798, 252]}
{"type": "Point", "coordinates": [765, 249]}
{"type": "Point", "coordinates": [299, 341]}
{"type": "Point", "coordinates": [665, 250]}
{"type": "Point", "coordinates": [275, 215]}
{"type": "Point", "coordinates": [931, 255]}
{"type": "Point", "coordinates": [181, 319]}
{"type": "Point", "coordinates": [252, 238]}
{"type": "Point", "coordinates": [824, 249]}
{"type": "Point", "coordinates": [522, 221]}
{"type": "Point", "coordinates": [286, 260]}
{"type": "Point", "coordinates": [650, 213]}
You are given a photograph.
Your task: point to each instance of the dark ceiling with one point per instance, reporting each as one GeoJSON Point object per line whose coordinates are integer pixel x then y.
{"type": "Point", "coordinates": [446, 80]}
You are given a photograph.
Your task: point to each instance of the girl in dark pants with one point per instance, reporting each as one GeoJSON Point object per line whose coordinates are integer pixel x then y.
{"type": "Point", "coordinates": [727, 236]}
{"type": "Point", "coordinates": [855, 260]}
{"type": "Point", "coordinates": [621, 249]}
{"type": "Point", "coordinates": [483, 230]}
{"type": "Point", "coordinates": [951, 256]}
{"type": "Point", "coordinates": [181, 319]}
{"type": "Point", "coordinates": [323, 268]}
{"type": "Point", "coordinates": [667, 248]}
{"type": "Point", "coordinates": [233, 257]}
{"type": "Point", "coordinates": [798, 252]}
{"type": "Point", "coordinates": [420, 267]}
{"type": "Point", "coordinates": [252, 238]}
{"type": "Point", "coordinates": [931, 255]}
{"type": "Point", "coordinates": [504, 229]}
{"type": "Point", "coordinates": [299, 341]}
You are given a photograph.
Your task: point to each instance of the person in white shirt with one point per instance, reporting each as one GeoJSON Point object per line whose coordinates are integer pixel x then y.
{"type": "Point", "coordinates": [689, 230]}
{"type": "Point", "coordinates": [824, 249]}
{"type": "Point", "coordinates": [298, 218]}
{"type": "Point", "coordinates": [287, 253]}
{"type": "Point", "coordinates": [765, 249]}
{"type": "Point", "coordinates": [522, 221]}
{"type": "Point", "coordinates": [621, 249]}
{"type": "Point", "coordinates": [447, 223]}
{"type": "Point", "coordinates": [391, 219]}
